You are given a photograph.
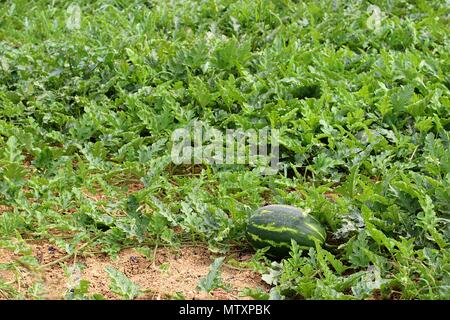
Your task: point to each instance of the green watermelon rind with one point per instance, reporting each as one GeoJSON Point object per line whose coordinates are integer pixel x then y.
{"type": "Point", "coordinates": [274, 226]}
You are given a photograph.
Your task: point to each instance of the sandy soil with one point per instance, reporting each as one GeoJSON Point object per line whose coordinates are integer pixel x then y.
{"type": "Point", "coordinates": [172, 271]}
{"type": "Point", "coordinates": [4, 208]}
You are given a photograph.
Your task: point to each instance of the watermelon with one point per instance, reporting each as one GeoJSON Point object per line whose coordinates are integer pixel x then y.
{"type": "Point", "coordinates": [274, 226]}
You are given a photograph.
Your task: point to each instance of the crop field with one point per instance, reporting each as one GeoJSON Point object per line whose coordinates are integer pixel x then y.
{"type": "Point", "coordinates": [93, 204]}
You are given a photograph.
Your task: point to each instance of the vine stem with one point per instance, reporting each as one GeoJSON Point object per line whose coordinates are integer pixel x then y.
{"type": "Point", "coordinates": [154, 255]}
{"type": "Point", "coordinates": [68, 255]}
{"type": "Point", "coordinates": [236, 268]}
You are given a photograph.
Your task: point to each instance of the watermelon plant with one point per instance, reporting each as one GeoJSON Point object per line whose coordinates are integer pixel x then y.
{"type": "Point", "coordinates": [91, 93]}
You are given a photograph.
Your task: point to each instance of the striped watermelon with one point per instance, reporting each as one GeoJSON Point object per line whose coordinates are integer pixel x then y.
{"type": "Point", "coordinates": [275, 225]}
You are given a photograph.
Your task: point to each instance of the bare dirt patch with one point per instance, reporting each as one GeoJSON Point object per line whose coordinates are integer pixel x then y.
{"type": "Point", "coordinates": [173, 271]}
{"type": "Point", "coordinates": [5, 257]}
{"type": "Point", "coordinates": [4, 208]}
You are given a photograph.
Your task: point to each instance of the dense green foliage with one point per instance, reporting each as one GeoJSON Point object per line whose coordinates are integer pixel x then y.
{"type": "Point", "coordinates": [360, 94]}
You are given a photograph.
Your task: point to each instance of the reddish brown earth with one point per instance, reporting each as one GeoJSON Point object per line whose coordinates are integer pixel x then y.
{"type": "Point", "coordinates": [172, 271]}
